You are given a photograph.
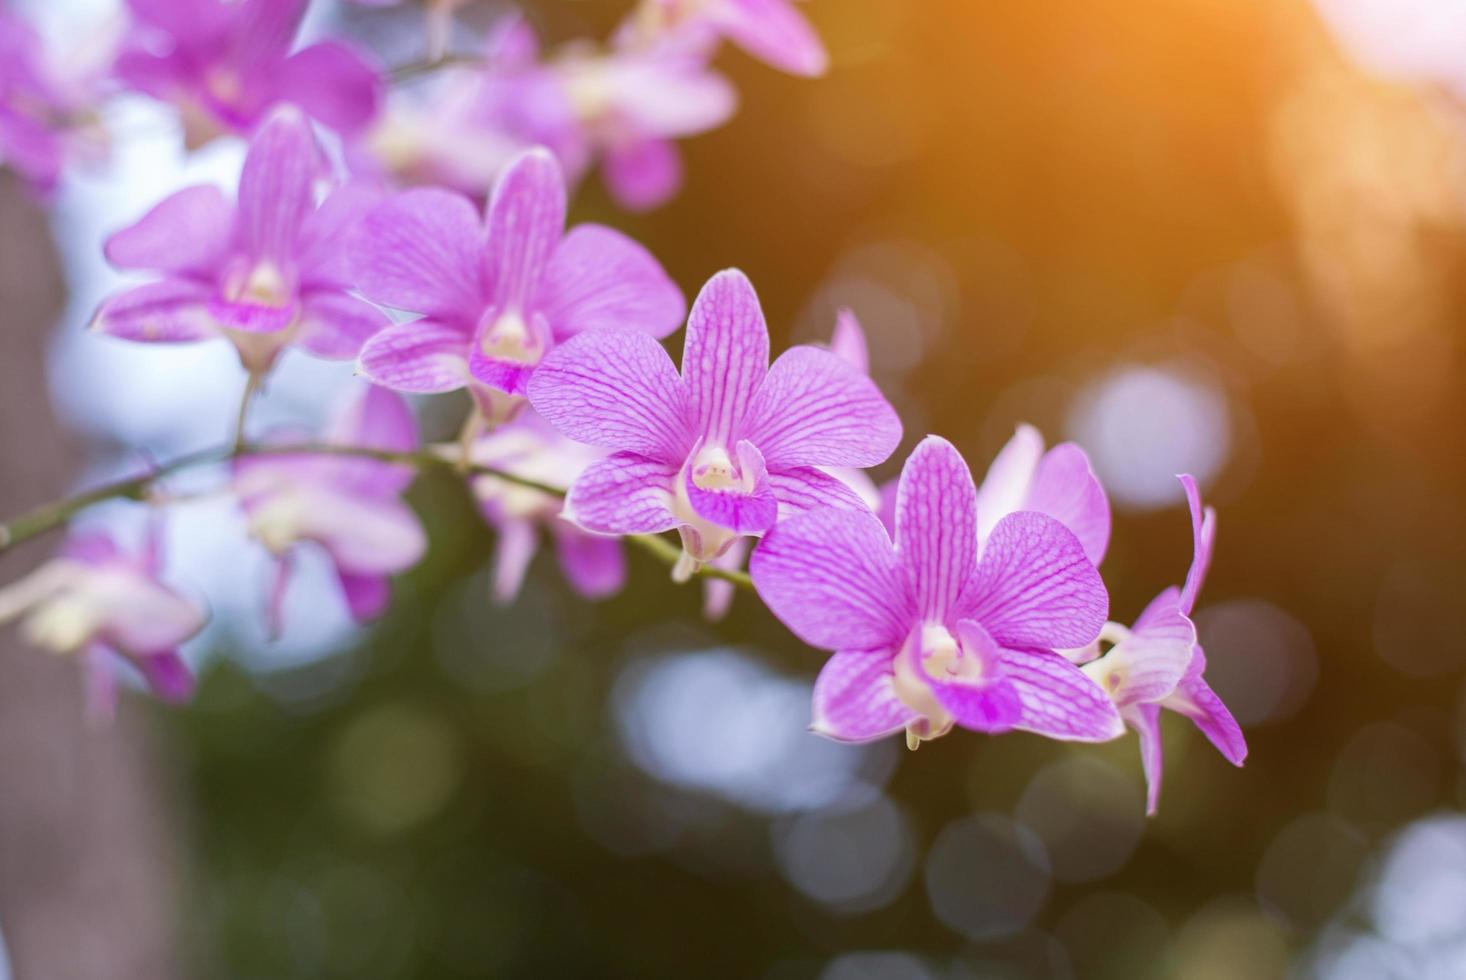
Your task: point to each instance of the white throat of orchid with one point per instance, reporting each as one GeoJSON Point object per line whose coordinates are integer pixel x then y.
{"type": "Point", "coordinates": [1108, 672]}
{"type": "Point", "coordinates": [280, 520]}
{"type": "Point", "coordinates": [932, 653]}
{"type": "Point", "coordinates": [509, 338]}
{"type": "Point", "coordinates": [712, 468]}
{"type": "Point", "coordinates": [66, 604]}
{"type": "Point", "coordinates": [263, 284]}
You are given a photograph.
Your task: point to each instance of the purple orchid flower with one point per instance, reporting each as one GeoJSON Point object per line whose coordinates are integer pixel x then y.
{"type": "Point", "coordinates": [933, 629]}
{"type": "Point", "coordinates": [726, 448]}
{"type": "Point", "coordinates": [46, 112]}
{"type": "Point", "coordinates": [1158, 663]}
{"type": "Point", "coordinates": [351, 506]}
{"type": "Point", "coordinates": [265, 273]}
{"type": "Point", "coordinates": [95, 600]}
{"type": "Point", "coordinates": [848, 344]}
{"type": "Point", "coordinates": [496, 297]}
{"type": "Point", "coordinates": [226, 64]}
{"type": "Point", "coordinates": [774, 31]}
{"type": "Point", "coordinates": [594, 565]}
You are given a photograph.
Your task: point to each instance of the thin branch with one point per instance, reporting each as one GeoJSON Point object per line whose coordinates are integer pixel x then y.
{"type": "Point", "coordinates": [49, 517]}
{"type": "Point", "coordinates": [427, 66]}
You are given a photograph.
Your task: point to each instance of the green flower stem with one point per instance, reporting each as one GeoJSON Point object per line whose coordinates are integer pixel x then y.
{"type": "Point", "coordinates": [51, 516]}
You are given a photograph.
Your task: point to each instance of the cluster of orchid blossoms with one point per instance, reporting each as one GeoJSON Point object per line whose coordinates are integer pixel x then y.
{"type": "Point", "coordinates": [943, 603]}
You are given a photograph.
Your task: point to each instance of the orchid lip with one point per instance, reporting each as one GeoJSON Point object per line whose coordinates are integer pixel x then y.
{"type": "Point", "coordinates": [932, 653]}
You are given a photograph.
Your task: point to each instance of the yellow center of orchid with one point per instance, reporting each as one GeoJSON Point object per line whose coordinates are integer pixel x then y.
{"type": "Point", "coordinates": [510, 339]}
{"type": "Point", "coordinates": [279, 521]}
{"type": "Point", "coordinates": [263, 285]}
{"type": "Point", "coordinates": [938, 656]}
{"type": "Point", "coordinates": [65, 623]}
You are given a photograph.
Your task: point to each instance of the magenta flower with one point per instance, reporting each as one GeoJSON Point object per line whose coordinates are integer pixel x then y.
{"type": "Point", "coordinates": [101, 603]}
{"type": "Point", "coordinates": [722, 450]}
{"type": "Point", "coordinates": [496, 297]}
{"type": "Point", "coordinates": [226, 64]}
{"type": "Point", "coordinates": [774, 31]}
{"type": "Point", "coordinates": [265, 272]}
{"type": "Point", "coordinates": [46, 114]}
{"type": "Point", "coordinates": [933, 629]}
{"type": "Point", "coordinates": [1157, 663]}
{"type": "Point", "coordinates": [594, 565]}
{"type": "Point", "coordinates": [1060, 483]}
{"type": "Point", "coordinates": [350, 506]}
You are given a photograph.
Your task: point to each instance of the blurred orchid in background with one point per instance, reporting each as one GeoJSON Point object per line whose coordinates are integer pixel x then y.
{"type": "Point", "coordinates": [774, 31]}
{"type": "Point", "coordinates": [1158, 663]}
{"type": "Point", "coordinates": [96, 601]}
{"type": "Point", "coordinates": [348, 505]}
{"type": "Point", "coordinates": [265, 272]}
{"type": "Point", "coordinates": [594, 565]}
{"type": "Point", "coordinates": [226, 64]}
{"type": "Point", "coordinates": [722, 450]}
{"type": "Point", "coordinates": [932, 630]}
{"type": "Point", "coordinates": [47, 109]}
{"type": "Point", "coordinates": [496, 296]}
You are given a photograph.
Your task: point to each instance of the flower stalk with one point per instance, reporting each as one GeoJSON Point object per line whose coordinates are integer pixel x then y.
{"type": "Point", "coordinates": [58, 513]}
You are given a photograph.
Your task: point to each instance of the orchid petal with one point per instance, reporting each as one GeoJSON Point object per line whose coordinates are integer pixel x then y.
{"type": "Point", "coordinates": [1058, 699]}
{"type": "Point", "coordinates": [328, 236]}
{"type": "Point", "coordinates": [526, 219]}
{"type": "Point", "coordinates": [1195, 699]}
{"type": "Point", "coordinates": [516, 548]}
{"type": "Point", "coordinates": [367, 596]}
{"type": "Point", "coordinates": [642, 174]}
{"type": "Point", "coordinates": [594, 566]}
{"type": "Point", "coordinates": [281, 570]}
{"type": "Point", "coordinates": [1146, 720]}
{"type": "Point", "coordinates": [725, 355]}
{"type": "Point", "coordinates": [1066, 488]}
{"type": "Point", "coordinates": [832, 577]}
{"type": "Point", "coordinates": [421, 356]}
{"type": "Point", "coordinates": [1033, 587]}
{"type": "Point", "coordinates": [775, 32]}
{"type": "Point", "coordinates": [420, 251]}
{"type": "Point", "coordinates": [187, 233]}
{"type": "Point", "coordinates": [718, 593]}
{"type": "Point", "coordinates": [1005, 488]}
{"type": "Point", "coordinates": [936, 526]}
{"type": "Point", "coordinates": [805, 488]}
{"type": "Point", "coordinates": [276, 186]}
{"type": "Point", "coordinates": [335, 326]}
{"type": "Point", "coordinates": [615, 388]}
{"type": "Point", "coordinates": [813, 409]}
{"type": "Point", "coordinates": [1203, 535]}
{"type": "Point", "coordinates": [334, 83]}
{"type": "Point", "coordinates": [168, 675]}
{"type": "Point", "coordinates": [848, 342]}
{"type": "Point", "coordinates": [174, 311]}
{"type": "Point", "coordinates": [366, 536]}
{"type": "Point", "coordinates": [624, 494]}
{"type": "Point", "coordinates": [599, 279]}
{"type": "Point", "coordinates": [376, 419]}
{"type": "Point", "coordinates": [855, 698]}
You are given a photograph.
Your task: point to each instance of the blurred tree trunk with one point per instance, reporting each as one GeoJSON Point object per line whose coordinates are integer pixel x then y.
{"type": "Point", "coordinates": [88, 867]}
